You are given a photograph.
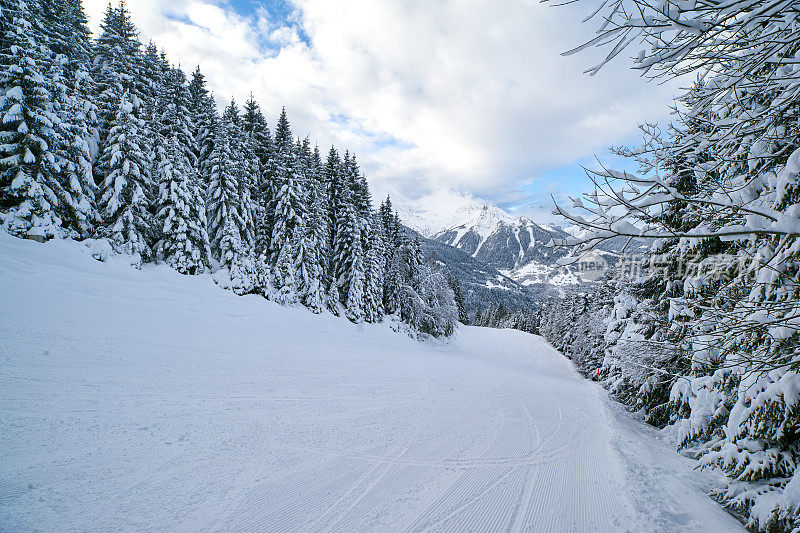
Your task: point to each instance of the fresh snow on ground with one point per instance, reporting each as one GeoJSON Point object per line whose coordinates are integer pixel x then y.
{"type": "Point", "coordinates": [143, 399]}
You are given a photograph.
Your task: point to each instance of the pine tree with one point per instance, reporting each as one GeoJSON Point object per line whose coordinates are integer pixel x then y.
{"type": "Point", "coordinates": [255, 128]}
{"type": "Point", "coordinates": [173, 118]}
{"type": "Point", "coordinates": [346, 246]}
{"type": "Point", "coordinates": [375, 270]}
{"type": "Point", "coordinates": [283, 283]}
{"type": "Point", "coordinates": [228, 206]}
{"type": "Point", "coordinates": [330, 179]}
{"type": "Point", "coordinates": [307, 268]}
{"type": "Point", "coordinates": [458, 294]}
{"type": "Point", "coordinates": [203, 112]}
{"type": "Point", "coordinates": [115, 68]}
{"type": "Point", "coordinates": [125, 199]}
{"type": "Point", "coordinates": [360, 190]}
{"type": "Point", "coordinates": [347, 228]}
{"type": "Point", "coordinates": [183, 242]}
{"type": "Point", "coordinates": [289, 229]}
{"type": "Point", "coordinates": [287, 202]}
{"type": "Point", "coordinates": [315, 233]}
{"type": "Point", "coordinates": [63, 42]}
{"type": "Point", "coordinates": [259, 149]}
{"type": "Point", "coordinates": [393, 283]}
{"type": "Point", "coordinates": [223, 201]}
{"type": "Point", "coordinates": [355, 288]}
{"type": "Point", "coordinates": [30, 191]}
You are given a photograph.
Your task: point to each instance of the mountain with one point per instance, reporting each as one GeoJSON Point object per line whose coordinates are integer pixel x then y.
{"type": "Point", "coordinates": [482, 283]}
{"type": "Point", "coordinates": [515, 246]}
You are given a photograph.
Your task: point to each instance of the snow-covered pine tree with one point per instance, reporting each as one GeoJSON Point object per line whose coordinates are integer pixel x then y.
{"type": "Point", "coordinates": [228, 206]}
{"type": "Point", "coordinates": [354, 303]}
{"type": "Point", "coordinates": [181, 219]}
{"type": "Point", "coordinates": [357, 184]}
{"type": "Point", "coordinates": [458, 295]}
{"type": "Point", "coordinates": [426, 301]}
{"type": "Point", "coordinates": [63, 41]}
{"type": "Point", "coordinates": [246, 172]}
{"type": "Point", "coordinates": [387, 218]}
{"type": "Point", "coordinates": [173, 117]}
{"type": "Point", "coordinates": [225, 224]}
{"type": "Point", "coordinates": [31, 195]}
{"type": "Point", "coordinates": [255, 128]}
{"type": "Point", "coordinates": [330, 178]}
{"type": "Point", "coordinates": [310, 236]}
{"type": "Point", "coordinates": [288, 182]}
{"type": "Point", "coordinates": [393, 283]}
{"type": "Point", "coordinates": [125, 201]}
{"type": "Point", "coordinates": [375, 271]}
{"type": "Point", "coordinates": [257, 145]}
{"type": "Point", "coordinates": [203, 112]}
{"type": "Point", "coordinates": [279, 168]}
{"type": "Point", "coordinates": [283, 283]}
{"type": "Point", "coordinates": [308, 272]}
{"type": "Point", "coordinates": [438, 314]}
{"type": "Point", "coordinates": [318, 213]}
{"type": "Point", "coordinates": [347, 238]}
{"type": "Point", "coordinates": [407, 268]}
{"type": "Point", "coordinates": [116, 65]}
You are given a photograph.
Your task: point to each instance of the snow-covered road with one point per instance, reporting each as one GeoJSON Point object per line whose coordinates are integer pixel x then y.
{"type": "Point", "coordinates": [134, 400]}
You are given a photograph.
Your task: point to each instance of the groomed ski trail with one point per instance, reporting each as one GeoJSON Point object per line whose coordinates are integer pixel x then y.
{"type": "Point", "coordinates": [146, 400]}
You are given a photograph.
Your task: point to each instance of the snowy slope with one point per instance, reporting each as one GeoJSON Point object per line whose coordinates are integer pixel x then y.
{"type": "Point", "coordinates": [145, 400]}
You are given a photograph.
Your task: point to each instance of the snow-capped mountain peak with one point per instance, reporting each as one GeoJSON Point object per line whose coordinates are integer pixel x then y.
{"type": "Point", "coordinates": [472, 212]}
{"type": "Point", "coordinates": [516, 246]}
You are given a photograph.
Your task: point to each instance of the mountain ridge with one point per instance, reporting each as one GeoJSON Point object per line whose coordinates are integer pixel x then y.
{"type": "Point", "coordinates": [514, 245]}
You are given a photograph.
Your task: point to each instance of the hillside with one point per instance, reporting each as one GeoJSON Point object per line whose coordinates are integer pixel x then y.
{"type": "Point", "coordinates": [482, 284]}
{"type": "Point", "coordinates": [148, 400]}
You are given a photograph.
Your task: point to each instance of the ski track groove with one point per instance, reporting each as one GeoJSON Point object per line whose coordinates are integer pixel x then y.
{"type": "Point", "coordinates": [466, 495]}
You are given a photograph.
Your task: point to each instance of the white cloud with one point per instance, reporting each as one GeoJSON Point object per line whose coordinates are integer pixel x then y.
{"type": "Point", "coordinates": [466, 95]}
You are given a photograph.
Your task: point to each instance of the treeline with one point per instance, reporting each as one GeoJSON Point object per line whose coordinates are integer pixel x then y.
{"type": "Point", "coordinates": [574, 323]}
{"type": "Point", "coordinates": [701, 334]}
{"type": "Point", "coordinates": [104, 138]}
{"type": "Point", "coordinates": [497, 315]}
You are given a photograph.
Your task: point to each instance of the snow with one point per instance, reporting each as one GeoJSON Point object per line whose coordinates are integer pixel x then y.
{"type": "Point", "coordinates": [146, 400]}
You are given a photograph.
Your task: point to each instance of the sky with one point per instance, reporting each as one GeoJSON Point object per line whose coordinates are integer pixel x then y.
{"type": "Point", "coordinates": [441, 100]}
